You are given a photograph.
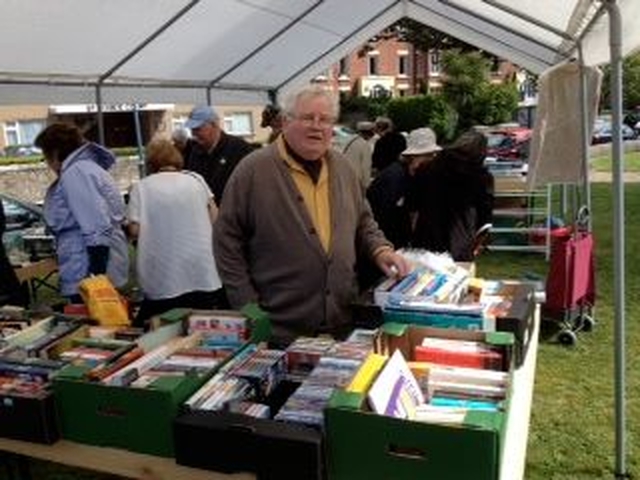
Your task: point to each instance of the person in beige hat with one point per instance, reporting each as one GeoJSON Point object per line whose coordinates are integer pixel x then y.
{"type": "Point", "coordinates": [422, 147]}
{"type": "Point", "coordinates": [390, 192]}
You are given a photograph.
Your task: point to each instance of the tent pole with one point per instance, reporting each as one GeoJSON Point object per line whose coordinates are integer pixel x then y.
{"type": "Point", "coordinates": [100, 114]}
{"type": "Point", "coordinates": [615, 44]}
{"type": "Point", "coordinates": [586, 141]}
{"type": "Point", "coordinates": [141, 156]}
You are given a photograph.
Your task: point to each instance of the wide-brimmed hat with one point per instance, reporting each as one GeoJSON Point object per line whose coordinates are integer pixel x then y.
{"type": "Point", "coordinates": [421, 141]}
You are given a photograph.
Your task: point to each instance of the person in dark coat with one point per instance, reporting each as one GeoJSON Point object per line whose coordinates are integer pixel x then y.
{"type": "Point", "coordinates": [454, 199]}
{"type": "Point", "coordinates": [389, 145]}
{"type": "Point", "coordinates": [390, 192]}
{"type": "Point", "coordinates": [215, 153]}
{"type": "Point", "coordinates": [11, 293]}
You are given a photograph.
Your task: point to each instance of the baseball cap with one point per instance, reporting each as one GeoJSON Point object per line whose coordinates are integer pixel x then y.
{"type": "Point", "coordinates": [200, 115]}
{"type": "Point", "coordinates": [421, 141]}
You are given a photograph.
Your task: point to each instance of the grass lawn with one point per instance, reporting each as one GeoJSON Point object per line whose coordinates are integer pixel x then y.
{"type": "Point", "coordinates": [572, 429]}
{"type": "Point", "coordinates": [631, 162]}
{"type": "Point", "coordinates": [572, 426]}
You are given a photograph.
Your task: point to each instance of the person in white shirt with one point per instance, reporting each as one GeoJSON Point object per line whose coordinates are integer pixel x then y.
{"type": "Point", "coordinates": [359, 151]}
{"type": "Point", "coordinates": [170, 214]}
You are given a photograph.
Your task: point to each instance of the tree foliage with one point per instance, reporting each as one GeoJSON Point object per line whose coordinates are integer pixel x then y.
{"type": "Point", "coordinates": [467, 88]}
{"type": "Point", "coordinates": [409, 113]}
{"type": "Point", "coordinates": [630, 83]}
{"type": "Point", "coordinates": [468, 97]}
{"type": "Point", "coordinates": [425, 38]}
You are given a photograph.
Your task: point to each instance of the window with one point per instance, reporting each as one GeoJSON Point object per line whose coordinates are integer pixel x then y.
{"type": "Point", "coordinates": [11, 135]}
{"type": "Point", "coordinates": [239, 123]}
{"type": "Point", "coordinates": [403, 64]}
{"type": "Point", "coordinates": [373, 63]}
{"type": "Point", "coordinates": [22, 132]}
{"type": "Point", "coordinates": [434, 62]}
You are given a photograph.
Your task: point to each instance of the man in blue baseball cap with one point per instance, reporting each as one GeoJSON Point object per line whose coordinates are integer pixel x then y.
{"type": "Point", "coordinates": [215, 153]}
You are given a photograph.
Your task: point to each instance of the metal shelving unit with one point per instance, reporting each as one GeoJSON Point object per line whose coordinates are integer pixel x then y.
{"type": "Point", "coordinates": [518, 217]}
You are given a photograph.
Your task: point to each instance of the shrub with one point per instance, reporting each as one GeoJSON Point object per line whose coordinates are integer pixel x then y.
{"type": "Point", "coordinates": [409, 113]}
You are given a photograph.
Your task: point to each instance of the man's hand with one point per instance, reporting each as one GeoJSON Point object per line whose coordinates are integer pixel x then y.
{"type": "Point", "coordinates": [392, 264]}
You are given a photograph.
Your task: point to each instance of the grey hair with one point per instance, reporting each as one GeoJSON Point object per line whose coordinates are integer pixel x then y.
{"type": "Point", "coordinates": [291, 100]}
{"type": "Point", "coordinates": [180, 135]}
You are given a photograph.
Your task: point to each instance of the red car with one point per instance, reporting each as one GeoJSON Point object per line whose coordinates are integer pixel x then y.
{"type": "Point", "coordinates": [509, 143]}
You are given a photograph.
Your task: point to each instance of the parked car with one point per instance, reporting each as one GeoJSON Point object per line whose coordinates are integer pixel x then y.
{"type": "Point", "coordinates": [508, 143]}
{"type": "Point", "coordinates": [603, 132]}
{"type": "Point", "coordinates": [26, 236]}
{"type": "Point", "coordinates": [22, 151]}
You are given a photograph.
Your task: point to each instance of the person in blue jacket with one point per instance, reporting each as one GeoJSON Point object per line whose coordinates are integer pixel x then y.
{"type": "Point", "coordinates": [84, 209]}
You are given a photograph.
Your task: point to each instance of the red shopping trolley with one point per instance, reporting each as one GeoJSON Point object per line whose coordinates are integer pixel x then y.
{"type": "Point", "coordinates": [570, 285]}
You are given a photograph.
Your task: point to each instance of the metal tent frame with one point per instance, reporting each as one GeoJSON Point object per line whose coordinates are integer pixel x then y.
{"type": "Point", "coordinates": [252, 51]}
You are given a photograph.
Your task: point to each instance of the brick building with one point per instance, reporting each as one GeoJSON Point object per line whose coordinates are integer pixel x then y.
{"type": "Point", "coordinates": [389, 66]}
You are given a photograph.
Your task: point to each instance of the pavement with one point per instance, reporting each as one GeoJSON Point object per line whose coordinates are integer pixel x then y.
{"type": "Point", "coordinates": [606, 177]}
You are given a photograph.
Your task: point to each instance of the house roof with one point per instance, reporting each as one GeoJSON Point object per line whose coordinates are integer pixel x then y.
{"type": "Point", "coordinates": [241, 51]}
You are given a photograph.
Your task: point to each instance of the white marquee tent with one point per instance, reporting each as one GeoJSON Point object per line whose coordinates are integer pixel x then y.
{"type": "Point", "coordinates": [239, 50]}
{"type": "Point", "coordinates": [251, 51]}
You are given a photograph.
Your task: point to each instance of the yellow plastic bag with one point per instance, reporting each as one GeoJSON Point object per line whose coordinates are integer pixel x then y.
{"type": "Point", "coordinates": [103, 301]}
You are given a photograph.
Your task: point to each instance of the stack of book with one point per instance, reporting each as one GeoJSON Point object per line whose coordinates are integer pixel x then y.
{"type": "Point", "coordinates": [435, 279]}
{"type": "Point", "coordinates": [219, 328]}
{"type": "Point", "coordinates": [29, 377]}
{"type": "Point", "coordinates": [438, 393]}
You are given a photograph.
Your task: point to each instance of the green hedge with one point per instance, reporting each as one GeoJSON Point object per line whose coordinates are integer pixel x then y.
{"type": "Point", "coordinates": [409, 113]}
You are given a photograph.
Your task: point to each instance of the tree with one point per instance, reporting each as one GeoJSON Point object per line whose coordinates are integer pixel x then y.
{"type": "Point", "coordinates": [630, 84]}
{"type": "Point", "coordinates": [466, 87]}
{"type": "Point", "coordinates": [425, 38]}
{"type": "Point", "coordinates": [409, 113]}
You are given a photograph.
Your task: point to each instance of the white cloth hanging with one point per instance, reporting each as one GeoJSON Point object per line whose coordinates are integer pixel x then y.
{"type": "Point", "coordinates": [556, 154]}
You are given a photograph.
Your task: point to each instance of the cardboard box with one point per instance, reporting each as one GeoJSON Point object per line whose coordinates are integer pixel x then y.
{"type": "Point", "coordinates": [517, 320]}
{"type": "Point", "coordinates": [364, 445]}
{"type": "Point", "coordinates": [129, 418]}
{"type": "Point", "coordinates": [230, 442]}
{"type": "Point", "coordinates": [29, 419]}
{"type": "Point", "coordinates": [137, 419]}
{"type": "Point", "coordinates": [33, 418]}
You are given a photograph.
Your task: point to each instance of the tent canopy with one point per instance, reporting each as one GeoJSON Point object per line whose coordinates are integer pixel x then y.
{"type": "Point", "coordinates": [242, 50]}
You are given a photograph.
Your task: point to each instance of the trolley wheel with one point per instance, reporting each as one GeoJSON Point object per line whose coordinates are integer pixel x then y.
{"type": "Point", "coordinates": [588, 322]}
{"type": "Point", "coordinates": [567, 337]}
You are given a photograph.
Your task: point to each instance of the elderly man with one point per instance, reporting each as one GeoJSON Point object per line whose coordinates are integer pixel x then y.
{"type": "Point", "coordinates": [359, 150]}
{"type": "Point", "coordinates": [292, 224]}
{"type": "Point", "coordinates": [215, 153]}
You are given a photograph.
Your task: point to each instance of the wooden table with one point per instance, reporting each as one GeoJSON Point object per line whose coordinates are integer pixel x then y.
{"type": "Point", "coordinates": [37, 274]}
{"type": "Point", "coordinates": [148, 467]}
{"type": "Point", "coordinates": [114, 461]}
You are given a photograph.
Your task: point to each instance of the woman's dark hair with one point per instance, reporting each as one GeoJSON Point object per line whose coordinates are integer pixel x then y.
{"type": "Point", "coordinates": [61, 139]}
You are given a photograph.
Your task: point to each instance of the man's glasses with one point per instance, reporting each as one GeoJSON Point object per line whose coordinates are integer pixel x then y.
{"type": "Point", "coordinates": [310, 120]}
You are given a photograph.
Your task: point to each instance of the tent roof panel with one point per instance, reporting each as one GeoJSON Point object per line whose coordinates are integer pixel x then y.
{"type": "Point", "coordinates": [75, 37]}
{"type": "Point", "coordinates": [262, 45]}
